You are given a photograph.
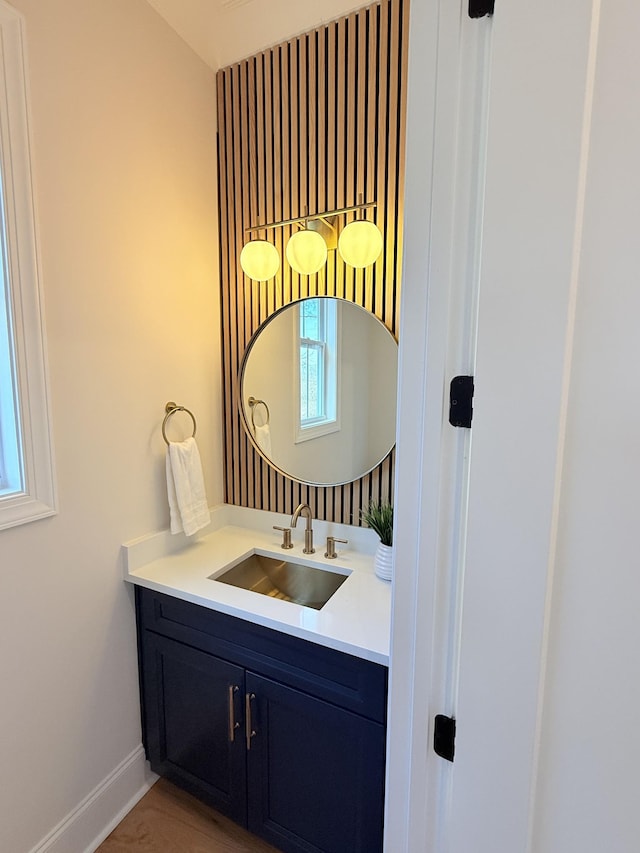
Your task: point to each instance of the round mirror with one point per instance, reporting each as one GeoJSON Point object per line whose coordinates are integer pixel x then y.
{"type": "Point", "coordinates": [318, 391]}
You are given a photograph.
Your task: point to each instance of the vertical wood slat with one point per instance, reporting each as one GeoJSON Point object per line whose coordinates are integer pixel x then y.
{"type": "Point", "coordinates": [313, 122]}
{"type": "Point", "coordinates": [339, 130]}
{"type": "Point", "coordinates": [273, 189]}
{"type": "Point", "coordinates": [231, 289]}
{"type": "Point", "coordinates": [308, 106]}
{"type": "Point", "coordinates": [392, 153]}
{"type": "Point", "coordinates": [352, 119]}
{"type": "Point", "coordinates": [269, 493]}
{"type": "Point", "coordinates": [403, 63]}
{"type": "Point", "coordinates": [319, 177]}
{"type": "Point", "coordinates": [288, 275]}
{"type": "Point", "coordinates": [383, 140]}
{"type": "Point", "coordinates": [361, 141]}
{"type": "Point", "coordinates": [255, 171]}
{"type": "Point", "coordinates": [304, 144]}
{"type": "Point", "coordinates": [371, 140]}
{"type": "Point", "coordinates": [357, 97]}
{"type": "Point", "coordinates": [295, 137]}
{"type": "Point", "coordinates": [223, 219]}
{"type": "Point", "coordinates": [237, 292]}
{"type": "Point", "coordinates": [332, 288]}
{"type": "Point", "coordinates": [245, 285]}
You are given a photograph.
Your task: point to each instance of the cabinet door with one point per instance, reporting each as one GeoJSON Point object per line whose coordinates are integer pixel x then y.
{"type": "Point", "coordinates": [315, 773]}
{"type": "Point", "coordinates": [193, 705]}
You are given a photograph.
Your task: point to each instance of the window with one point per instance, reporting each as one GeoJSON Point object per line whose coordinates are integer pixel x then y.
{"type": "Point", "coordinates": [27, 489]}
{"type": "Point", "coordinates": [317, 374]}
{"type": "Point", "coordinates": [11, 468]}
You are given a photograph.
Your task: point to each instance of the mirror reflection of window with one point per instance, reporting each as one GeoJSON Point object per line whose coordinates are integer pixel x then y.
{"type": "Point", "coordinates": [317, 378]}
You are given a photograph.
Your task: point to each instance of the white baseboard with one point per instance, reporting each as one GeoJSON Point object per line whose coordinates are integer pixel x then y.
{"type": "Point", "coordinates": [86, 827]}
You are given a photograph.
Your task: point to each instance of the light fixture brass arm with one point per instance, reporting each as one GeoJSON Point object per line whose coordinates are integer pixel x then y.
{"type": "Point", "coordinates": [323, 216]}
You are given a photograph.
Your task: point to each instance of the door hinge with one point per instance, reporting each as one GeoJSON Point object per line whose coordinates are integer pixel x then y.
{"type": "Point", "coordinates": [444, 736]}
{"type": "Point", "coordinates": [461, 401]}
{"type": "Point", "coordinates": [480, 8]}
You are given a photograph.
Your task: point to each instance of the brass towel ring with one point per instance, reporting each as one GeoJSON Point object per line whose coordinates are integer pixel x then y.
{"type": "Point", "coordinates": [253, 402]}
{"type": "Point", "coordinates": [171, 409]}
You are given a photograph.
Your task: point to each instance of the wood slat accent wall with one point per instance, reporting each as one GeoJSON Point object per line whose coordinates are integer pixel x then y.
{"type": "Point", "coordinates": [314, 122]}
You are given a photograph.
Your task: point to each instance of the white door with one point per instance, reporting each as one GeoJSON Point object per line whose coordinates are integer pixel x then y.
{"type": "Point", "coordinates": [497, 127]}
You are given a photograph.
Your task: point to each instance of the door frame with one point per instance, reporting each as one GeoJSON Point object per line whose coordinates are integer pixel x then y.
{"type": "Point", "coordinates": [483, 662]}
{"type": "Point", "coordinates": [446, 126]}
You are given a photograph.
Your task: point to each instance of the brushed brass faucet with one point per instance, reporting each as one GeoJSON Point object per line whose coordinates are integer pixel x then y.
{"type": "Point", "coordinates": [305, 510]}
{"type": "Point", "coordinates": [331, 552]}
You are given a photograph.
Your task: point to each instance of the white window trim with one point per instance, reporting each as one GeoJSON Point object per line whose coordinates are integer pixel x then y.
{"type": "Point", "coordinates": [38, 498]}
{"type": "Point", "coordinates": [330, 423]}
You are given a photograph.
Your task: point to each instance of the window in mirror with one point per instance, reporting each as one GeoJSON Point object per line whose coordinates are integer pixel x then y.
{"type": "Point", "coordinates": [317, 369]}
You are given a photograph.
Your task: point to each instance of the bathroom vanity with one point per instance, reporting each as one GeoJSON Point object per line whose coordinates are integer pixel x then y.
{"type": "Point", "coordinates": [272, 712]}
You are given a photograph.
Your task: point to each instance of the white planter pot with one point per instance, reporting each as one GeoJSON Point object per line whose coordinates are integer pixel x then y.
{"type": "Point", "coordinates": [383, 561]}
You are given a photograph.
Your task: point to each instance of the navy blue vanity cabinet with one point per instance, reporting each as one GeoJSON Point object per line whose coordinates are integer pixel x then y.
{"type": "Point", "coordinates": [315, 773]}
{"type": "Point", "coordinates": [285, 736]}
{"type": "Point", "coordinates": [192, 703]}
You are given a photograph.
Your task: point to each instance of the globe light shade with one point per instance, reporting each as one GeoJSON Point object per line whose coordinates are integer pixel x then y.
{"type": "Point", "coordinates": [260, 260]}
{"type": "Point", "coordinates": [360, 243]}
{"type": "Point", "coordinates": [306, 252]}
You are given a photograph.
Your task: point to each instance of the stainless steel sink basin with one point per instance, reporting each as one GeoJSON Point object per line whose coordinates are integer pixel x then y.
{"type": "Point", "coordinates": [284, 580]}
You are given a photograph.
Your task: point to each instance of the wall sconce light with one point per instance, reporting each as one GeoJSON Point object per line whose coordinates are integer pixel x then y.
{"type": "Point", "coordinates": [360, 244]}
{"type": "Point", "coordinates": [260, 260]}
{"type": "Point", "coordinates": [306, 252]}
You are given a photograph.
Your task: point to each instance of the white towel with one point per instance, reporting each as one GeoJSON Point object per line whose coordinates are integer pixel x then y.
{"type": "Point", "coordinates": [263, 439]}
{"type": "Point", "coordinates": [185, 487]}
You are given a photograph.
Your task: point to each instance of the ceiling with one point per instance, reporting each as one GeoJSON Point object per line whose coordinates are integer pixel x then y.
{"type": "Point", "coordinates": [225, 31]}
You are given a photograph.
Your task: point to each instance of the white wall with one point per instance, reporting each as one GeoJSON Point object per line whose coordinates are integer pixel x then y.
{"type": "Point", "coordinates": [588, 785]}
{"type": "Point", "coordinates": [123, 121]}
{"type": "Point", "coordinates": [225, 33]}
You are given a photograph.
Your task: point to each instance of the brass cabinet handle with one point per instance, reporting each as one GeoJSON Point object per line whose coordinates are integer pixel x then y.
{"type": "Point", "coordinates": [249, 731]}
{"type": "Point", "coordinates": [233, 725]}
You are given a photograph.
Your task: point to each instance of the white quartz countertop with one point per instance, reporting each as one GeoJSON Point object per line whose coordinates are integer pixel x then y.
{"type": "Point", "coordinates": [355, 620]}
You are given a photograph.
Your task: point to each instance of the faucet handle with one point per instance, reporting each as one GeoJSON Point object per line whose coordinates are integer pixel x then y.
{"type": "Point", "coordinates": [286, 536]}
{"type": "Point", "coordinates": [330, 553]}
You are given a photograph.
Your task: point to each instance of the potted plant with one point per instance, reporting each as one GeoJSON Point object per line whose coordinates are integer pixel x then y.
{"type": "Point", "coordinates": [379, 517]}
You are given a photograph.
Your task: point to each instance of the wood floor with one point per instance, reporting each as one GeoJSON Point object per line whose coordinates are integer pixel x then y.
{"type": "Point", "coordinates": [168, 820]}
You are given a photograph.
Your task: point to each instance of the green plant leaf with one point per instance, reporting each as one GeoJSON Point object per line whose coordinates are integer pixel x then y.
{"type": "Point", "coordinates": [379, 517]}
